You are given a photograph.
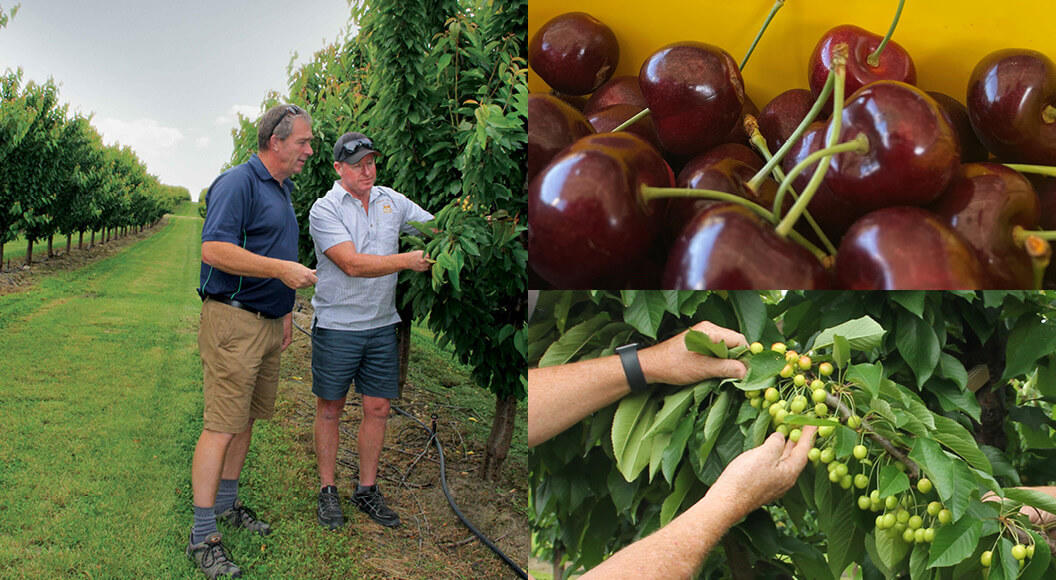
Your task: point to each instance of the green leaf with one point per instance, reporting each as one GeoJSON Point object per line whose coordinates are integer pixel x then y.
{"type": "Point", "coordinates": [673, 409]}
{"type": "Point", "coordinates": [717, 415]}
{"type": "Point", "coordinates": [911, 300]}
{"type": "Point", "coordinates": [892, 481]}
{"type": "Point", "coordinates": [621, 491]}
{"type": "Point", "coordinates": [862, 334]}
{"type": "Point", "coordinates": [638, 450]}
{"type": "Point", "coordinates": [628, 412]}
{"type": "Point", "coordinates": [656, 455]}
{"type": "Point", "coordinates": [954, 542]}
{"type": "Point", "coordinates": [762, 368]}
{"type": "Point", "coordinates": [751, 313]}
{"type": "Point", "coordinates": [1032, 497]}
{"type": "Point", "coordinates": [1030, 340]}
{"type": "Point", "coordinates": [674, 500]}
{"type": "Point", "coordinates": [956, 438]}
{"type": "Point", "coordinates": [841, 351]}
{"type": "Point", "coordinates": [677, 445]}
{"type": "Point", "coordinates": [757, 432]}
{"type": "Point", "coordinates": [868, 376]}
{"type": "Point", "coordinates": [565, 348]}
{"type": "Point", "coordinates": [916, 341]}
{"type": "Point", "coordinates": [918, 563]}
{"type": "Point", "coordinates": [1039, 564]}
{"type": "Point", "coordinates": [890, 549]}
{"type": "Point", "coordinates": [644, 311]}
{"type": "Point", "coordinates": [953, 369]}
{"type": "Point", "coordinates": [700, 343]}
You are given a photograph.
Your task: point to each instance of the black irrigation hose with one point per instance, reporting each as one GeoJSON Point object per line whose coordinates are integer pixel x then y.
{"type": "Point", "coordinates": [447, 492]}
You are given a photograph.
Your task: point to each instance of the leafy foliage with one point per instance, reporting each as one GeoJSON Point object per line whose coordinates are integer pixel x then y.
{"type": "Point", "coordinates": [960, 384]}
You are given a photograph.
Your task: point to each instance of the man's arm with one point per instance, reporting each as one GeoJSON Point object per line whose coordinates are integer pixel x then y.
{"type": "Point", "coordinates": [679, 549]}
{"type": "Point", "coordinates": [358, 265]}
{"type": "Point", "coordinates": [559, 396]}
{"type": "Point", "coordinates": [241, 262]}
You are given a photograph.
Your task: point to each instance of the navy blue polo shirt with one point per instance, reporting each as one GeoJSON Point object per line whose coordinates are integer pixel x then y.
{"type": "Point", "coordinates": [247, 207]}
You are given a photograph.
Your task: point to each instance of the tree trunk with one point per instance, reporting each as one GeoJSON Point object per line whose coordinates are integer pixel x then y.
{"type": "Point", "coordinates": [91, 244]}
{"type": "Point", "coordinates": [80, 240]}
{"type": "Point", "coordinates": [51, 248]}
{"type": "Point", "coordinates": [737, 558]}
{"type": "Point", "coordinates": [69, 243]}
{"type": "Point", "coordinates": [29, 253]}
{"type": "Point", "coordinates": [2, 257]}
{"type": "Point", "coordinates": [404, 337]}
{"type": "Point", "coordinates": [498, 445]}
{"type": "Point", "coordinates": [558, 569]}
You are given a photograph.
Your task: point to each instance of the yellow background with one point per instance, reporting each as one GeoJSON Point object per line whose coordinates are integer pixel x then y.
{"type": "Point", "coordinates": [945, 39]}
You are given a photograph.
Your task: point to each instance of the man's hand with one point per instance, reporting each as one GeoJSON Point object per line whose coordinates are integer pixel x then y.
{"type": "Point", "coordinates": [761, 475]}
{"type": "Point", "coordinates": [418, 261]}
{"type": "Point", "coordinates": [296, 275]}
{"type": "Point", "coordinates": [671, 362]}
{"type": "Point", "coordinates": [287, 330]}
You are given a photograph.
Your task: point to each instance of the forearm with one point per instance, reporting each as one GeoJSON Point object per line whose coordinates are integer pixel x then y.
{"type": "Point", "coordinates": [238, 261]}
{"type": "Point", "coordinates": [677, 550]}
{"type": "Point", "coordinates": [372, 266]}
{"type": "Point", "coordinates": [568, 393]}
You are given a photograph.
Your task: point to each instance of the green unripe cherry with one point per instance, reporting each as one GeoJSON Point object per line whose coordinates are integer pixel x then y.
{"type": "Point", "coordinates": [825, 430]}
{"type": "Point", "coordinates": [798, 405]}
{"type": "Point", "coordinates": [908, 536]}
{"type": "Point", "coordinates": [902, 515]}
{"type": "Point", "coordinates": [821, 410]}
{"type": "Point", "coordinates": [814, 455]}
{"type": "Point", "coordinates": [756, 402]}
{"type": "Point", "coordinates": [929, 535]}
{"type": "Point", "coordinates": [891, 502]}
{"type": "Point", "coordinates": [799, 380]}
{"type": "Point", "coordinates": [934, 508]}
{"type": "Point", "coordinates": [833, 476]}
{"type": "Point", "coordinates": [889, 520]}
{"type": "Point", "coordinates": [827, 455]}
{"type": "Point", "coordinates": [863, 502]}
{"type": "Point", "coordinates": [772, 394]}
{"type": "Point", "coordinates": [804, 363]}
{"type": "Point", "coordinates": [825, 369]}
{"type": "Point", "coordinates": [986, 558]}
{"type": "Point", "coordinates": [1019, 551]}
{"type": "Point", "coordinates": [841, 468]}
{"type": "Point", "coordinates": [778, 347]}
{"type": "Point", "coordinates": [915, 522]}
{"type": "Point", "coordinates": [1030, 551]}
{"type": "Point", "coordinates": [860, 451]}
{"type": "Point", "coordinates": [945, 516]}
{"type": "Point", "coordinates": [819, 395]}
{"type": "Point", "coordinates": [817, 384]}
{"type": "Point", "coordinates": [794, 435]}
{"type": "Point", "coordinates": [786, 371]}
{"type": "Point", "coordinates": [782, 429]}
{"type": "Point", "coordinates": [924, 485]}
{"type": "Point", "coordinates": [918, 535]}
{"type": "Point", "coordinates": [861, 481]}
{"type": "Point", "coordinates": [854, 421]}
{"type": "Point", "coordinates": [756, 347]}
{"type": "Point", "coordinates": [845, 481]}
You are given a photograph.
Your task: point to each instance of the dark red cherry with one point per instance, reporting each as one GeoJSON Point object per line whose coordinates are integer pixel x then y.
{"type": "Point", "coordinates": [729, 247]}
{"type": "Point", "coordinates": [574, 53]}
{"type": "Point", "coordinates": [609, 118]}
{"type": "Point", "coordinates": [972, 150]}
{"type": "Point", "coordinates": [906, 248]}
{"type": "Point", "coordinates": [552, 125]}
{"type": "Point", "coordinates": [1012, 105]}
{"type": "Point", "coordinates": [780, 117]}
{"type": "Point", "coordinates": [895, 63]}
{"type": "Point", "coordinates": [619, 90]}
{"type": "Point", "coordinates": [587, 224]}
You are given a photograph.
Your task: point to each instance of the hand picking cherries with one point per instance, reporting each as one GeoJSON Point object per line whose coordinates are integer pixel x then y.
{"type": "Point", "coordinates": [858, 179]}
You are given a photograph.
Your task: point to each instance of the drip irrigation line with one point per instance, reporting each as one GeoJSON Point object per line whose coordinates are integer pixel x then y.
{"type": "Point", "coordinates": [447, 492]}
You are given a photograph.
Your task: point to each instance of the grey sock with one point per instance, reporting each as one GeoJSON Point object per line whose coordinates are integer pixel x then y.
{"type": "Point", "coordinates": [365, 488]}
{"type": "Point", "coordinates": [204, 524]}
{"type": "Point", "coordinates": [226, 495]}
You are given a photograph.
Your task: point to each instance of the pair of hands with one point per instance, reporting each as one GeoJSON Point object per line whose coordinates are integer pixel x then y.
{"type": "Point", "coordinates": [757, 476]}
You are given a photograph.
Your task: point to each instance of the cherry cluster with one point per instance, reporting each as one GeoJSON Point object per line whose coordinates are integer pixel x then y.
{"type": "Point", "coordinates": [665, 179]}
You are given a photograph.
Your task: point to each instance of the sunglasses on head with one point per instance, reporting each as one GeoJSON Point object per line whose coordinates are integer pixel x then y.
{"type": "Point", "coordinates": [351, 147]}
{"type": "Point", "coordinates": [289, 110]}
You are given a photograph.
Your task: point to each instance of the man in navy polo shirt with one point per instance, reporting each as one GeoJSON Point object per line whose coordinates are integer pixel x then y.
{"type": "Point", "coordinates": [356, 227]}
{"type": "Point", "coordinates": [248, 281]}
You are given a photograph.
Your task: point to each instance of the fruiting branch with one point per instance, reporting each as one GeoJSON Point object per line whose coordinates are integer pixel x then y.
{"type": "Point", "coordinates": [866, 427]}
{"type": "Point", "coordinates": [874, 58]}
{"type": "Point", "coordinates": [773, 10]}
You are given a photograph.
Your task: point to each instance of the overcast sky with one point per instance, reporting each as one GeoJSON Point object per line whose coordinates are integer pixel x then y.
{"type": "Point", "coordinates": [167, 78]}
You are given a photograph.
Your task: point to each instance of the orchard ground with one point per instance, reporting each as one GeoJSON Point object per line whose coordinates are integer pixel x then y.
{"type": "Point", "coordinates": [103, 409]}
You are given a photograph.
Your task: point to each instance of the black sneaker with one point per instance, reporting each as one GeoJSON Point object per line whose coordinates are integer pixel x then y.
{"type": "Point", "coordinates": [240, 516]}
{"type": "Point", "coordinates": [329, 511]}
{"type": "Point", "coordinates": [372, 503]}
{"type": "Point", "coordinates": [212, 558]}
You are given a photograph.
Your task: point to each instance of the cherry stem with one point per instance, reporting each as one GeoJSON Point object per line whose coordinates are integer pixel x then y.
{"type": "Point", "coordinates": [1049, 114]}
{"type": "Point", "coordinates": [649, 193]}
{"type": "Point", "coordinates": [874, 58]}
{"type": "Point", "coordinates": [839, 72]}
{"type": "Point", "coordinates": [812, 114]}
{"type": "Point", "coordinates": [637, 117]}
{"type": "Point", "coordinates": [756, 138]}
{"type": "Point", "coordinates": [867, 428]}
{"type": "Point", "coordinates": [773, 10]}
{"type": "Point", "coordinates": [860, 145]}
{"type": "Point", "coordinates": [1038, 169]}
{"type": "Point", "coordinates": [1021, 234]}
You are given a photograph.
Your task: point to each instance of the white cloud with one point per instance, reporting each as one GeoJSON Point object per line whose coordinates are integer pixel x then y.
{"type": "Point", "coordinates": [231, 116]}
{"type": "Point", "coordinates": [202, 142]}
{"type": "Point", "coordinates": [142, 135]}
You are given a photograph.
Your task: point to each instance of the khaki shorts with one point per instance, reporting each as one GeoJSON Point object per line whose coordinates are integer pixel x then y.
{"type": "Point", "coordinates": [240, 363]}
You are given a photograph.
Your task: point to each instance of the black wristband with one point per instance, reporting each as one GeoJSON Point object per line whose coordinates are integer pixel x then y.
{"type": "Point", "coordinates": [632, 368]}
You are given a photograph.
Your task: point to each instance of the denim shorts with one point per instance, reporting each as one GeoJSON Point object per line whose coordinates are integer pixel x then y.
{"type": "Point", "coordinates": [368, 358]}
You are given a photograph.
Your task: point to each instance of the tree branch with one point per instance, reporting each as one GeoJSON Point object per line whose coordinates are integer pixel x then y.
{"type": "Point", "coordinates": [845, 412]}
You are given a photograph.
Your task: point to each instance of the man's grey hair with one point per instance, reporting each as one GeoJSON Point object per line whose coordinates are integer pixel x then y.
{"type": "Point", "coordinates": [278, 121]}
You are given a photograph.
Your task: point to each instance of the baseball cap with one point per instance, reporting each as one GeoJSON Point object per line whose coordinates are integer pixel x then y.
{"type": "Point", "coordinates": [352, 147]}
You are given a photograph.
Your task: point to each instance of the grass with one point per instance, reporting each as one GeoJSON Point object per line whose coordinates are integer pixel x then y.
{"type": "Point", "coordinates": [101, 393]}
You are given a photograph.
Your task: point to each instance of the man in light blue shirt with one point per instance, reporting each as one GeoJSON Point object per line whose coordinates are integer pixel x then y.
{"type": "Point", "coordinates": [356, 227]}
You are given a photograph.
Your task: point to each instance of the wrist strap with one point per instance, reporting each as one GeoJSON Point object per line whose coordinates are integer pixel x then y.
{"type": "Point", "coordinates": [632, 368]}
